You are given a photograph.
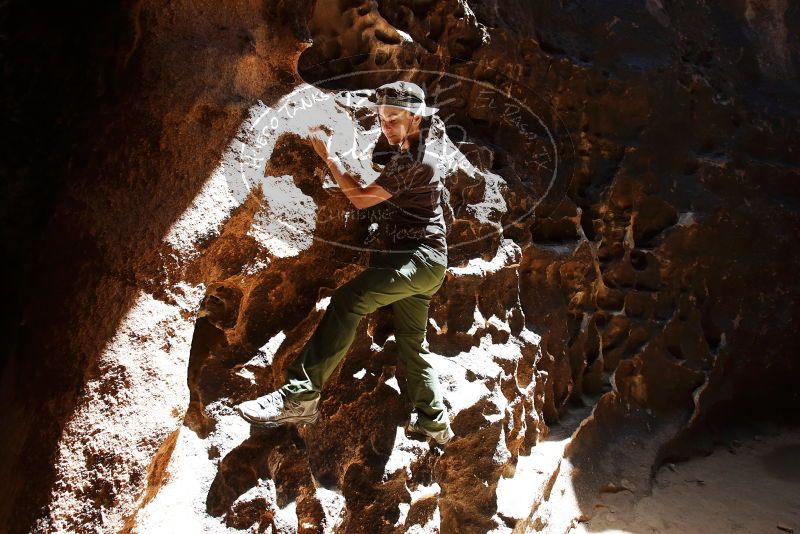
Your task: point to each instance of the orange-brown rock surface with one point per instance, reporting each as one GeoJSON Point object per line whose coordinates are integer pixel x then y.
{"type": "Point", "coordinates": [621, 208]}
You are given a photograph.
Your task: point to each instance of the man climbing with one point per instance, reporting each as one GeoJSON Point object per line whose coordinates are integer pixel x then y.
{"type": "Point", "coordinates": [406, 274]}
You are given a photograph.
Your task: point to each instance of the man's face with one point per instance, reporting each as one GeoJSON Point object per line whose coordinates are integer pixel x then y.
{"type": "Point", "coordinates": [396, 123]}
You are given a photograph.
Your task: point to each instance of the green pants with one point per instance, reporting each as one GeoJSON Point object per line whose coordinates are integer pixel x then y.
{"type": "Point", "coordinates": [407, 281]}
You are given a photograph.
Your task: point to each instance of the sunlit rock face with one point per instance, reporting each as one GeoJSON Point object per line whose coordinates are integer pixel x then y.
{"type": "Point", "coordinates": [621, 263]}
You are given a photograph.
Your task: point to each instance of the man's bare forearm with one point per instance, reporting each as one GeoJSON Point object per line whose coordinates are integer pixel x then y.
{"type": "Point", "coordinates": [349, 186]}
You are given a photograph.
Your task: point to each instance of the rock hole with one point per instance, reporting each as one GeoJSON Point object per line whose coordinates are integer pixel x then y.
{"type": "Point", "coordinates": [587, 224]}
{"type": "Point", "coordinates": [381, 57]}
{"type": "Point", "coordinates": [675, 351]}
{"type": "Point", "coordinates": [386, 37]}
{"type": "Point", "coordinates": [638, 260]}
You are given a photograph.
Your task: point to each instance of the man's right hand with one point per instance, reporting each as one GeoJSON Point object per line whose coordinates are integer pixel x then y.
{"type": "Point", "coordinates": [320, 141]}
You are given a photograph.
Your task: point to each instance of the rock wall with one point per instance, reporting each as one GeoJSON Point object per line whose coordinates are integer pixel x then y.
{"type": "Point", "coordinates": [596, 320]}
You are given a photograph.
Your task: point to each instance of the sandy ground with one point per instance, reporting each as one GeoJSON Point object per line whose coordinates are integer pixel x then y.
{"type": "Point", "coordinates": [750, 486]}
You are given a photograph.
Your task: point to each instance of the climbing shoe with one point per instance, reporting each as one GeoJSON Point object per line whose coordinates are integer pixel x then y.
{"type": "Point", "coordinates": [275, 409]}
{"type": "Point", "coordinates": [440, 436]}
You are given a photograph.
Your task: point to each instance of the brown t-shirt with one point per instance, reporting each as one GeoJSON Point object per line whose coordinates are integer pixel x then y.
{"type": "Point", "coordinates": [413, 215]}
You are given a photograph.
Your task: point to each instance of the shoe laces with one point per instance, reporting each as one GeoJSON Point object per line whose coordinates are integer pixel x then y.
{"type": "Point", "coordinates": [274, 399]}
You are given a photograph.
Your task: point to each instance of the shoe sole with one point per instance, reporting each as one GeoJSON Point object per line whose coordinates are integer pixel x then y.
{"type": "Point", "coordinates": [301, 420]}
{"type": "Point", "coordinates": [426, 436]}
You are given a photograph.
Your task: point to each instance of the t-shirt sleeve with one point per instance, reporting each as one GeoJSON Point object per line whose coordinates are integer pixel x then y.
{"type": "Point", "coordinates": [401, 174]}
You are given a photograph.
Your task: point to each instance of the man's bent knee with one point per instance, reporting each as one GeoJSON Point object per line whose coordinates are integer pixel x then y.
{"type": "Point", "coordinates": [351, 300]}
